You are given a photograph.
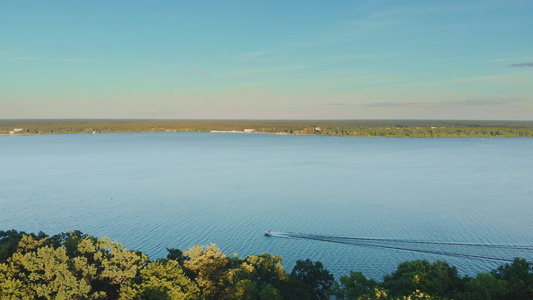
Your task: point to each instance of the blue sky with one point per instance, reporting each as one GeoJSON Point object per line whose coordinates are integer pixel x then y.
{"type": "Point", "coordinates": [267, 59]}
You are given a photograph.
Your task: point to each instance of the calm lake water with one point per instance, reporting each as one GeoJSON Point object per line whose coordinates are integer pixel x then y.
{"type": "Point", "coordinates": [151, 191]}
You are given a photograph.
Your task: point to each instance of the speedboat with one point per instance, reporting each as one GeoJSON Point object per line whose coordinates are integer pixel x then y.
{"type": "Point", "coordinates": [268, 233]}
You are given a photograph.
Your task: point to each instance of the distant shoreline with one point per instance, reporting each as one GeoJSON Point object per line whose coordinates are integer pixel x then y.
{"type": "Point", "coordinates": [351, 128]}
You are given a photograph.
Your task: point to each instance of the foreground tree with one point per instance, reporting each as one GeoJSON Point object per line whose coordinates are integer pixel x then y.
{"type": "Point", "coordinates": [77, 266]}
{"type": "Point", "coordinates": [314, 277]}
{"type": "Point", "coordinates": [9, 241]}
{"type": "Point", "coordinates": [519, 275]}
{"type": "Point", "coordinates": [161, 279]}
{"type": "Point", "coordinates": [353, 286]}
{"type": "Point", "coordinates": [208, 264]}
{"type": "Point", "coordinates": [437, 279]}
{"type": "Point", "coordinates": [97, 270]}
{"type": "Point", "coordinates": [486, 286]}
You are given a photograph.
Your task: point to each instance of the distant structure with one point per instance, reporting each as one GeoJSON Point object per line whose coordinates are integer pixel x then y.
{"type": "Point", "coordinates": [234, 131]}
{"type": "Point", "coordinates": [226, 131]}
{"type": "Point", "coordinates": [16, 130]}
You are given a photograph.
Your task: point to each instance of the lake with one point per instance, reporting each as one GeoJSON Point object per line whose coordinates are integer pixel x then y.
{"type": "Point", "coordinates": [152, 191]}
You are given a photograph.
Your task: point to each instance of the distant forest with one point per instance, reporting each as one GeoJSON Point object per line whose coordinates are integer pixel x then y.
{"type": "Point", "coordinates": [354, 128]}
{"type": "Point", "coordinates": [74, 265]}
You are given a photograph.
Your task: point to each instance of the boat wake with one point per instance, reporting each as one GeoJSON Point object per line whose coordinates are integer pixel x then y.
{"type": "Point", "coordinates": [405, 245]}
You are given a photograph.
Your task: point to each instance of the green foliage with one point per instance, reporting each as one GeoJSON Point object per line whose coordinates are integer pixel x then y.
{"type": "Point", "coordinates": [315, 278]}
{"type": "Point", "coordinates": [9, 241]}
{"type": "Point", "coordinates": [408, 277]}
{"type": "Point", "coordinates": [268, 292]}
{"type": "Point", "coordinates": [70, 240]}
{"type": "Point", "coordinates": [486, 286]}
{"type": "Point", "coordinates": [177, 255]}
{"type": "Point", "coordinates": [208, 265]}
{"type": "Point", "coordinates": [353, 286]}
{"type": "Point", "coordinates": [74, 265]}
{"type": "Point", "coordinates": [255, 277]}
{"type": "Point", "coordinates": [437, 279]}
{"type": "Point", "coordinates": [266, 272]}
{"type": "Point", "coordinates": [242, 289]}
{"type": "Point", "coordinates": [162, 279]}
{"type": "Point", "coordinates": [378, 294]}
{"type": "Point", "coordinates": [266, 268]}
{"type": "Point", "coordinates": [519, 275]}
{"type": "Point", "coordinates": [11, 287]}
{"type": "Point", "coordinates": [94, 268]}
{"type": "Point", "coordinates": [51, 276]}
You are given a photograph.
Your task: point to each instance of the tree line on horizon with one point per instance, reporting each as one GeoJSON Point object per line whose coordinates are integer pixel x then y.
{"type": "Point", "coordinates": [74, 265]}
{"type": "Point", "coordinates": [369, 128]}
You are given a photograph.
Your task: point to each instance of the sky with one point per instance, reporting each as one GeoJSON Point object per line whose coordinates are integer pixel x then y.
{"type": "Point", "coordinates": [266, 59]}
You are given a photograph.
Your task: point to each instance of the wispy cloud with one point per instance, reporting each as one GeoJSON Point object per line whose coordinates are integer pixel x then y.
{"type": "Point", "coordinates": [249, 56]}
{"type": "Point", "coordinates": [336, 104]}
{"type": "Point", "coordinates": [489, 78]}
{"type": "Point", "coordinates": [377, 20]}
{"type": "Point", "coordinates": [509, 78]}
{"type": "Point", "coordinates": [90, 61]}
{"type": "Point", "coordinates": [501, 59]}
{"type": "Point", "coordinates": [521, 65]}
{"type": "Point", "coordinates": [21, 58]}
{"type": "Point", "coordinates": [481, 102]}
{"type": "Point", "coordinates": [268, 70]}
{"type": "Point", "coordinates": [391, 104]}
{"type": "Point", "coordinates": [491, 101]}
{"type": "Point", "coordinates": [106, 61]}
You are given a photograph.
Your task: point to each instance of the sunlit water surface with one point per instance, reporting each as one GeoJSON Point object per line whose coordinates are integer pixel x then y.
{"type": "Point", "coordinates": [152, 191]}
